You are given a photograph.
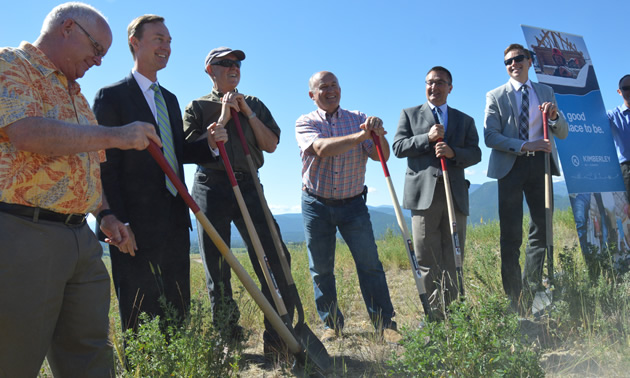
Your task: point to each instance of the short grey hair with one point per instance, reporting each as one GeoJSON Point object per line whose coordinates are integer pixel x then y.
{"type": "Point", "coordinates": [75, 10]}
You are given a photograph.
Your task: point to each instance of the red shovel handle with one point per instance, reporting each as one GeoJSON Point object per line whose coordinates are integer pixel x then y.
{"type": "Point", "coordinates": [155, 151]}
{"type": "Point", "coordinates": [379, 149]}
{"type": "Point", "coordinates": [442, 159]}
{"type": "Point", "coordinates": [239, 129]}
{"type": "Point", "coordinates": [226, 162]}
{"type": "Point", "coordinates": [545, 125]}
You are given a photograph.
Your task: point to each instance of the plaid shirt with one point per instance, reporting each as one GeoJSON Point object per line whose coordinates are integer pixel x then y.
{"type": "Point", "coordinates": [31, 86]}
{"type": "Point", "coordinates": [333, 177]}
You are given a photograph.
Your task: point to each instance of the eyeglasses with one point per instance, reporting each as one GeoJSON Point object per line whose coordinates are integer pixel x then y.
{"type": "Point", "coordinates": [625, 88]}
{"type": "Point", "coordinates": [437, 83]}
{"type": "Point", "coordinates": [100, 51]}
{"type": "Point", "coordinates": [517, 59]}
{"type": "Point", "coordinates": [227, 63]}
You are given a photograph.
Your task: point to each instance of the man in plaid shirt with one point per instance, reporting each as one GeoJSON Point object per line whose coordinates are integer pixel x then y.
{"type": "Point", "coordinates": [335, 145]}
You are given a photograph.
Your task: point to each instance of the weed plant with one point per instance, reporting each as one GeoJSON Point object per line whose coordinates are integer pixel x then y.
{"type": "Point", "coordinates": [473, 341]}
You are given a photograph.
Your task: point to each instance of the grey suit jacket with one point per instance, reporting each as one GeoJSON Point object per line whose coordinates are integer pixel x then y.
{"type": "Point", "coordinates": [423, 167]}
{"type": "Point", "coordinates": [501, 128]}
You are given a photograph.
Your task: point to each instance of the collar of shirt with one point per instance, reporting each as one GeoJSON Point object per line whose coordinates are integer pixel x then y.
{"type": "Point", "coordinates": [145, 87]}
{"type": "Point", "coordinates": [38, 59]}
{"type": "Point", "coordinates": [40, 62]}
{"type": "Point", "coordinates": [322, 113]}
{"type": "Point", "coordinates": [216, 93]}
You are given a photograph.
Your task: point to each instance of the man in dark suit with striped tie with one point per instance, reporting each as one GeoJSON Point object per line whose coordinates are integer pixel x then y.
{"type": "Point", "coordinates": [513, 129]}
{"type": "Point", "coordinates": [152, 271]}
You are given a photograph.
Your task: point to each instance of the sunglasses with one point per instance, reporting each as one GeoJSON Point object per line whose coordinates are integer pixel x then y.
{"type": "Point", "coordinates": [517, 59]}
{"type": "Point", "coordinates": [625, 88]}
{"type": "Point", "coordinates": [227, 63]}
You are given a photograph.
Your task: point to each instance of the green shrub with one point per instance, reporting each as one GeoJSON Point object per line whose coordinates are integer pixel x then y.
{"type": "Point", "coordinates": [193, 349]}
{"type": "Point", "coordinates": [472, 342]}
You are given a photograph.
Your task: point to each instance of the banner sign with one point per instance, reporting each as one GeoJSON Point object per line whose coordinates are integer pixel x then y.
{"type": "Point", "coordinates": [588, 155]}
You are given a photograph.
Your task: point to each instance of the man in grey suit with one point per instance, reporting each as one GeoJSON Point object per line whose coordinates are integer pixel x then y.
{"type": "Point", "coordinates": [425, 134]}
{"type": "Point", "coordinates": [513, 129]}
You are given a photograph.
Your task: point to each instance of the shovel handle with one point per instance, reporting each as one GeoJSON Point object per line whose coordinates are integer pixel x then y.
{"type": "Point", "coordinates": [258, 248]}
{"type": "Point", "coordinates": [419, 273]}
{"type": "Point", "coordinates": [443, 159]}
{"type": "Point", "coordinates": [155, 151]}
{"type": "Point", "coordinates": [239, 130]}
{"type": "Point", "coordinates": [247, 281]}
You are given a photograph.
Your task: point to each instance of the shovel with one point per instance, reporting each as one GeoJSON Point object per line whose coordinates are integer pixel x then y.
{"type": "Point", "coordinates": [302, 331]}
{"type": "Point", "coordinates": [314, 350]}
{"type": "Point", "coordinates": [542, 299]}
{"type": "Point", "coordinates": [418, 273]}
{"type": "Point", "coordinates": [453, 223]}
{"type": "Point", "coordinates": [277, 322]}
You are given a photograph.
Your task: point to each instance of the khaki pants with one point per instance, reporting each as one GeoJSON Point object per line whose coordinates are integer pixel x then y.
{"type": "Point", "coordinates": [54, 300]}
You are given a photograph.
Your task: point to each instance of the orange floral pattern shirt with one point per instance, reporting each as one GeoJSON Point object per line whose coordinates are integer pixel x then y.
{"type": "Point", "coordinates": [31, 86]}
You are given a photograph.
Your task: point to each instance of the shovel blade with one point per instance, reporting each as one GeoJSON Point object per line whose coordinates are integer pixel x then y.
{"type": "Point", "coordinates": [542, 300]}
{"type": "Point", "coordinates": [314, 351]}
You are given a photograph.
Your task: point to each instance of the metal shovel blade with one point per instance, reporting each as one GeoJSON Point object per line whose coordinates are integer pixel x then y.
{"type": "Point", "coordinates": [315, 351]}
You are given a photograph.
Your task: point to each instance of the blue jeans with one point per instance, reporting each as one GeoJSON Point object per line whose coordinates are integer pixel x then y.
{"type": "Point", "coordinates": [580, 204]}
{"type": "Point", "coordinates": [353, 221]}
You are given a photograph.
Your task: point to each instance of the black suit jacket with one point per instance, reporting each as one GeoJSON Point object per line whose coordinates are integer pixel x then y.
{"type": "Point", "coordinates": [133, 182]}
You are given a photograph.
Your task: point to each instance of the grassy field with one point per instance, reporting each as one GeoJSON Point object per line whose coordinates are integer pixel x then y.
{"type": "Point", "coordinates": [585, 334]}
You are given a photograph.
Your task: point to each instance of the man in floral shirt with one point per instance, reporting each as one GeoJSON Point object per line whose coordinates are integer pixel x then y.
{"type": "Point", "coordinates": [54, 300]}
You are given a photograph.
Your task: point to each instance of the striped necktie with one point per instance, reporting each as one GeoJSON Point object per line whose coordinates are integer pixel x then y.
{"type": "Point", "coordinates": [523, 119]}
{"type": "Point", "coordinates": [166, 134]}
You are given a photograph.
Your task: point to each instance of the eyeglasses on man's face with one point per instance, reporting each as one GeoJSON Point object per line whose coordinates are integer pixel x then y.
{"type": "Point", "coordinates": [99, 51]}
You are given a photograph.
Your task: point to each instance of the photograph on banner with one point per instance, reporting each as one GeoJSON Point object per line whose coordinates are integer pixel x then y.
{"type": "Point", "coordinates": [561, 61]}
{"type": "Point", "coordinates": [602, 221]}
{"type": "Point", "coordinates": [588, 155]}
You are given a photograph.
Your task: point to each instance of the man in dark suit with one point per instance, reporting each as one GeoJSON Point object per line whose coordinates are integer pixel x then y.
{"type": "Point", "coordinates": [425, 134]}
{"type": "Point", "coordinates": [513, 129]}
{"type": "Point", "coordinates": [152, 271]}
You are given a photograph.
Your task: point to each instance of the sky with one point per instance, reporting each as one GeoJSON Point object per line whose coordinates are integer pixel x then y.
{"type": "Point", "coordinates": [379, 51]}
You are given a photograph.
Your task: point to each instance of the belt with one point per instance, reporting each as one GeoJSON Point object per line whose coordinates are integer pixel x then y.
{"type": "Point", "coordinates": [335, 202]}
{"type": "Point", "coordinates": [36, 213]}
{"type": "Point", "coordinates": [240, 176]}
{"type": "Point", "coordinates": [529, 154]}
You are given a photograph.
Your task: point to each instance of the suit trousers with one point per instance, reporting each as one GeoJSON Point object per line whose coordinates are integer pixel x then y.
{"type": "Point", "coordinates": [54, 300]}
{"type": "Point", "coordinates": [434, 247]}
{"type": "Point", "coordinates": [214, 194]}
{"type": "Point", "coordinates": [156, 280]}
{"type": "Point", "coordinates": [527, 177]}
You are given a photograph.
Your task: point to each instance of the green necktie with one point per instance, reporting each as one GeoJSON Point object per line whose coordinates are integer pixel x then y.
{"type": "Point", "coordinates": [165, 134]}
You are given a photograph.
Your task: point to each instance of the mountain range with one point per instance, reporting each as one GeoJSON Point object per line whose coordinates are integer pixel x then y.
{"type": "Point", "coordinates": [483, 209]}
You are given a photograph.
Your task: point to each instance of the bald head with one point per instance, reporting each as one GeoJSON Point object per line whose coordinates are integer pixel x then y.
{"type": "Point", "coordinates": [325, 91]}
